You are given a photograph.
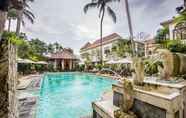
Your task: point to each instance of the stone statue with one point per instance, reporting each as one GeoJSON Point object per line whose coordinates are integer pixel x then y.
{"type": "Point", "coordinates": [128, 100]}
{"type": "Point", "coordinates": [173, 64]}
{"type": "Point", "coordinates": [138, 74]}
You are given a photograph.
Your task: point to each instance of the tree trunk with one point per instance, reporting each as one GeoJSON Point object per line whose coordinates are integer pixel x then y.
{"type": "Point", "coordinates": [3, 78]}
{"type": "Point", "coordinates": [101, 36]}
{"type": "Point", "coordinates": [9, 24]}
{"type": "Point", "coordinates": [3, 16]}
{"type": "Point", "coordinates": [130, 27]}
{"type": "Point", "coordinates": [19, 19]}
{"type": "Point", "coordinates": [185, 3]}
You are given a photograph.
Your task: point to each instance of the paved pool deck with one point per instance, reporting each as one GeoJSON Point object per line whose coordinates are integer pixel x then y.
{"type": "Point", "coordinates": [27, 95]}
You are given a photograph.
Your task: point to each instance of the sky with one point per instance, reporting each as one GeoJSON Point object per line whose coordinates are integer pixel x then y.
{"type": "Point", "coordinates": [65, 22]}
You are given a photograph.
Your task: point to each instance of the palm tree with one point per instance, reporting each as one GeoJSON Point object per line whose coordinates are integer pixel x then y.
{"type": "Point", "coordinates": [102, 5]}
{"type": "Point", "coordinates": [130, 27]}
{"type": "Point", "coordinates": [12, 14]}
{"type": "Point", "coordinates": [4, 7]}
{"type": "Point", "coordinates": [3, 14]}
{"type": "Point", "coordinates": [26, 13]}
{"type": "Point", "coordinates": [181, 18]}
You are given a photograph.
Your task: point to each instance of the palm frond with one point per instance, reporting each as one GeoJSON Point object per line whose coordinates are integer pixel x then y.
{"type": "Point", "coordinates": [101, 9]}
{"type": "Point", "coordinates": [29, 15]}
{"type": "Point", "coordinates": [180, 18]}
{"type": "Point", "coordinates": [26, 5]}
{"type": "Point", "coordinates": [111, 14]}
{"type": "Point", "coordinates": [109, 1]}
{"type": "Point", "coordinates": [90, 5]}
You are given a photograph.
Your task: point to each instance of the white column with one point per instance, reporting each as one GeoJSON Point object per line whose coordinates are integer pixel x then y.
{"type": "Point", "coordinates": [62, 64]}
{"type": "Point", "coordinates": [55, 64]}
{"type": "Point", "coordinates": [70, 64]}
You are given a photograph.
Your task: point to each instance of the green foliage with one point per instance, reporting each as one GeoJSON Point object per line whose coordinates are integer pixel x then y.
{"type": "Point", "coordinates": [151, 68]}
{"type": "Point", "coordinates": [80, 67]}
{"type": "Point", "coordinates": [12, 13]}
{"type": "Point", "coordinates": [13, 38]}
{"type": "Point", "coordinates": [50, 67]}
{"type": "Point", "coordinates": [99, 66]}
{"type": "Point", "coordinates": [162, 33]}
{"type": "Point", "coordinates": [122, 48]}
{"type": "Point", "coordinates": [38, 47]}
{"type": "Point", "coordinates": [173, 45]}
{"type": "Point", "coordinates": [180, 18]}
{"type": "Point", "coordinates": [177, 47]}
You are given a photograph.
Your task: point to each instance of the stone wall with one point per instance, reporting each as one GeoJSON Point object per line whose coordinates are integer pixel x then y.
{"type": "Point", "coordinates": [12, 82]}
{"type": "Point", "coordinates": [3, 79]}
{"type": "Point", "coordinates": [140, 108]}
{"type": "Point", "coordinates": [8, 80]}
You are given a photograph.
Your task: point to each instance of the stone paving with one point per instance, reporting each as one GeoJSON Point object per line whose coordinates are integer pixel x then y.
{"type": "Point", "coordinates": [27, 101]}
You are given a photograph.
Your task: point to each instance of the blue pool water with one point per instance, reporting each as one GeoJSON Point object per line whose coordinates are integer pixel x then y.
{"type": "Point", "coordinates": [69, 95]}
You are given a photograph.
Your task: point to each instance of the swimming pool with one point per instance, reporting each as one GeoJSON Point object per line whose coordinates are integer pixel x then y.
{"type": "Point", "coordinates": [69, 95]}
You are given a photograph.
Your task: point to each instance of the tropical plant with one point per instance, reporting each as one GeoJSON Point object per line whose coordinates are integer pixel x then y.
{"type": "Point", "coordinates": [130, 27]}
{"type": "Point", "coordinates": [4, 7]}
{"type": "Point", "coordinates": [57, 47]}
{"type": "Point", "coordinates": [38, 47]}
{"type": "Point", "coordinates": [151, 68]}
{"type": "Point", "coordinates": [180, 18]}
{"type": "Point", "coordinates": [98, 66]}
{"type": "Point", "coordinates": [173, 45]}
{"type": "Point", "coordinates": [122, 48]}
{"type": "Point", "coordinates": [12, 14]}
{"type": "Point", "coordinates": [162, 34]}
{"type": "Point", "coordinates": [102, 5]}
{"type": "Point", "coordinates": [50, 48]}
{"type": "Point", "coordinates": [24, 12]}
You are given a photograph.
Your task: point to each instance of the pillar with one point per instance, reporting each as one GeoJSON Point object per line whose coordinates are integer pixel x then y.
{"type": "Point", "coordinates": [62, 64]}
{"type": "Point", "coordinates": [70, 64]}
{"type": "Point", "coordinates": [55, 64]}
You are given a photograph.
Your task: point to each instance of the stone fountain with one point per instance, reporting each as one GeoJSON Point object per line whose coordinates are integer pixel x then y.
{"type": "Point", "coordinates": [148, 97]}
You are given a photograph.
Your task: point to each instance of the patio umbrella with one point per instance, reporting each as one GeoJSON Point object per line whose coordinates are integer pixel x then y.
{"type": "Point", "coordinates": [111, 62]}
{"type": "Point", "coordinates": [125, 61]}
{"type": "Point", "coordinates": [41, 62]}
{"type": "Point", "coordinates": [26, 61]}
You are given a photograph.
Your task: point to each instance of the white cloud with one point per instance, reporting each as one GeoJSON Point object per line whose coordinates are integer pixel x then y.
{"type": "Point", "coordinates": [65, 22]}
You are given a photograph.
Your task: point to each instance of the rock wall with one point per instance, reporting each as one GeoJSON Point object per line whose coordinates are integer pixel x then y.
{"type": "Point", "coordinates": [8, 70]}
{"type": "Point", "coordinates": [3, 79]}
{"type": "Point", "coordinates": [140, 108]}
{"type": "Point", "coordinates": [12, 82]}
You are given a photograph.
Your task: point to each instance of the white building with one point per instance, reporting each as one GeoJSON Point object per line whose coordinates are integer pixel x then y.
{"type": "Point", "coordinates": [92, 50]}
{"type": "Point", "coordinates": [176, 30]}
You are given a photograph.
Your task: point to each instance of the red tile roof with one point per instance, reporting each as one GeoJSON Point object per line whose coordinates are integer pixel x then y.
{"type": "Point", "coordinates": [65, 54]}
{"type": "Point", "coordinates": [107, 39]}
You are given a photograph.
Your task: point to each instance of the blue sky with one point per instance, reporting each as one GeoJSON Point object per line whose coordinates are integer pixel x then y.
{"type": "Point", "coordinates": [64, 21]}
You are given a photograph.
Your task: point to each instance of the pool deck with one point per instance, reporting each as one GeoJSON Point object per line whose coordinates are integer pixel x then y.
{"type": "Point", "coordinates": [27, 101]}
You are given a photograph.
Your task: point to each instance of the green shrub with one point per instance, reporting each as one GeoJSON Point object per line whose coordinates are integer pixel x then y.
{"type": "Point", "coordinates": [151, 68]}
{"type": "Point", "coordinates": [50, 67]}
{"type": "Point", "coordinates": [98, 66]}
